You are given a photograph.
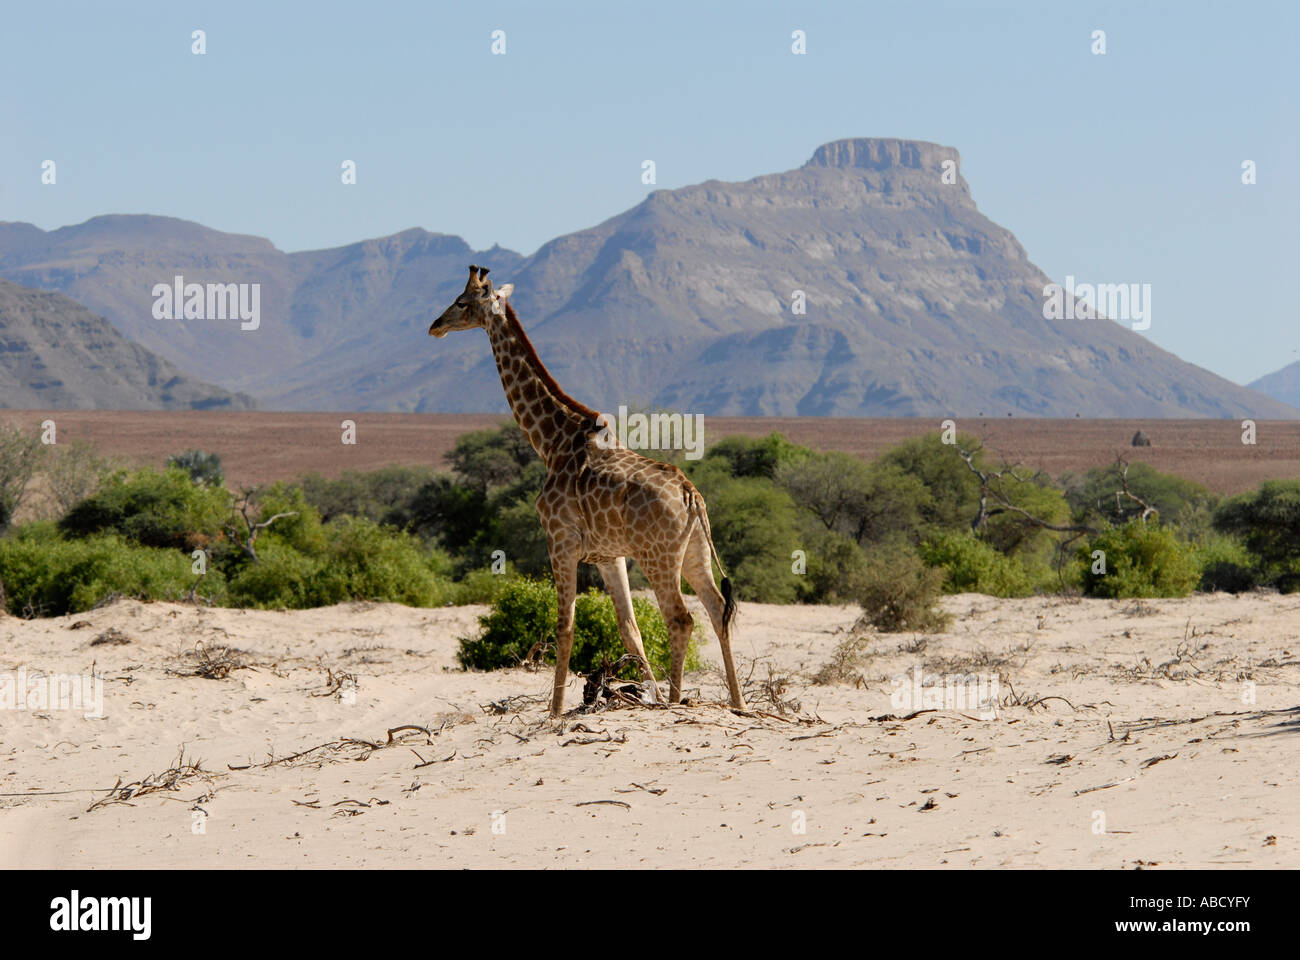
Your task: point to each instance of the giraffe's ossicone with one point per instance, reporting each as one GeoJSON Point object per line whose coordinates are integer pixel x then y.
{"type": "Point", "coordinates": [601, 502]}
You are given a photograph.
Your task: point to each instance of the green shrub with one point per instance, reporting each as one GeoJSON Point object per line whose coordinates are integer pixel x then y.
{"type": "Point", "coordinates": [282, 577]}
{"type": "Point", "coordinates": [203, 468]}
{"type": "Point", "coordinates": [756, 457]}
{"type": "Point", "coordinates": [452, 513]}
{"type": "Point", "coordinates": [756, 527]}
{"type": "Point", "coordinates": [523, 618]}
{"type": "Point", "coordinates": [1227, 565]}
{"type": "Point", "coordinates": [518, 526]}
{"type": "Point", "coordinates": [953, 490]}
{"type": "Point", "coordinates": [953, 495]}
{"type": "Point", "coordinates": [834, 565]}
{"type": "Point", "coordinates": [1178, 501]}
{"type": "Point", "coordinates": [971, 565]}
{"type": "Point", "coordinates": [481, 586]}
{"type": "Point", "coordinates": [365, 561]}
{"type": "Point", "coordinates": [151, 508]}
{"type": "Point", "coordinates": [897, 591]}
{"type": "Point", "coordinates": [596, 637]}
{"type": "Point", "coordinates": [300, 529]}
{"type": "Point", "coordinates": [387, 495]}
{"type": "Point", "coordinates": [1267, 521]}
{"type": "Point", "coordinates": [1141, 560]}
{"type": "Point", "coordinates": [46, 574]}
{"type": "Point", "coordinates": [490, 458]}
{"type": "Point", "coordinates": [866, 503]}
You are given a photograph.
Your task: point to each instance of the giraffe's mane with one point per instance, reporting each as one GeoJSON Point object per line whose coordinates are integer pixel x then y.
{"type": "Point", "coordinates": [539, 368]}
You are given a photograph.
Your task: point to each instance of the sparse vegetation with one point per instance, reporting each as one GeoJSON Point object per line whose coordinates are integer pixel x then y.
{"type": "Point", "coordinates": [203, 468]}
{"type": "Point", "coordinates": [521, 628]}
{"type": "Point", "coordinates": [790, 524]}
{"type": "Point", "coordinates": [1140, 560]}
{"type": "Point", "coordinates": [897, 591]}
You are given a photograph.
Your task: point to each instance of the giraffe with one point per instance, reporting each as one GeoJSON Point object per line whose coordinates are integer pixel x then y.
{"type": "Point", "coordinates": [601, 502]}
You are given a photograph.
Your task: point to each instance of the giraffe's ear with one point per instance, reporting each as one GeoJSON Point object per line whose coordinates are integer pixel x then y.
{"type": "Point", "coordinates": [506, 290]}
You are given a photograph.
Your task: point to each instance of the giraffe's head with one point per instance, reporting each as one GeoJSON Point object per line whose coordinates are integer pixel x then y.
{"type": "Point", "coordinates": [474, 307]}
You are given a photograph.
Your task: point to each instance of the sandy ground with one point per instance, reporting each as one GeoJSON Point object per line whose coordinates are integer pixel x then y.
{"type": "Point", "coordinates": [1125, 737]}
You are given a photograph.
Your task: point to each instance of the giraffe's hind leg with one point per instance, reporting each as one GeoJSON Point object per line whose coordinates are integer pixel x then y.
{"type": "Point", "coordinates": [665, 576]}
{"type": "Point", "coordinates": [697, 568]}
{"type": "Point", "coordinates": [615, 575]}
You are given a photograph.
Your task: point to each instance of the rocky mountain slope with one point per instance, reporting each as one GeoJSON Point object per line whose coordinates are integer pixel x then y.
{"type": "Point", "coordinates": [916, 305]}
{"type": "Point", "coordinates": [56, 354]}
{"type": "Point", "coordinates": [1282, 385]}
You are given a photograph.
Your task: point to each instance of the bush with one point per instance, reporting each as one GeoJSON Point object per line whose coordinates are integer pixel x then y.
{"type": "Point", "coordinates": [755, 457]}
{"type": "Point", "coordinates": [953, 490]}
{"type": "Point", "coordinates": [1178, 501]}
{"type": "Point", "coordinates": [301, 528]}
{"type": "Point", "coordinates": [835, 564]}
{"type": "Point", "coordinates": [490, 458]}
{"type": "Point", "coordinates": [596, 637]}
{"type": "Point", "coordinates": [1267, 521]}
{"type": "Point", "coordinates": [523, 617]}
{"type": "Point", "coordinates": [866, 503]}
{"type": "Point", "coordinates": [151, 508]}
{"type": "Point", "coordinates": [1141, 560]}
{"type": "Point", "coordinates": [756, 527]}
{"type": "Point", "coordinates": [450, 512]}
{"type": "Point", "coordinates": [360, 560]}
{"type": "Point", "coordinates": [365, 561]}
{"type": "Point", "coordinates": [387, 495]}
{"type": "Point", "coordinates": [481, 586]}
{"type": "Point", "coordinates": [897, 591]}
{"type": "Point", "coordinates": [73, 474]}
{"type": "Point", "coordinates": [21, 456]}
{"type": "Point", "coordinates": [203, 468]}
{"type": "Point", "coordinates": [282, 577]}
{"type": "Point", "coordinates": [971, 565]}
{"type": "Point", "coordinates": [45, 574]}
{"type": "Point", "coordinates": [1228, 566]}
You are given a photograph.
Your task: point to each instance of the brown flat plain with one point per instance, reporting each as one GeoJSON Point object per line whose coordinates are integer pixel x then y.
{"type": "Point", "coordinates": [261, 447]}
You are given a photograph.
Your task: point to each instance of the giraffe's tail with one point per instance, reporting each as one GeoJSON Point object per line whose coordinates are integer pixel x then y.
{"type": "Point", "coordinates": [701, 516]}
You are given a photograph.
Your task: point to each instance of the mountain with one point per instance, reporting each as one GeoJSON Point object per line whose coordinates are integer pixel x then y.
{"type": "Point", "coordinates": [1282, 385]}
{"type": "Point", "coordinates": [916, 305]}
{"type": "Point", "coordinates": [56, 354]}
{"type": "Point", "coordinates": [347, 301]}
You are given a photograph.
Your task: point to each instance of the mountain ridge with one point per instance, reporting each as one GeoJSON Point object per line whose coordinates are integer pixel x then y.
{"type": "Point", "coordinates": [56, 354]}
{"type": "Point", "coordinates": [916, 305]}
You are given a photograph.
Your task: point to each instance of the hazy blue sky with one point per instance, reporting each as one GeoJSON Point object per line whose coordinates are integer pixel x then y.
{"type": "Point", "coordinates": [1117, 168]}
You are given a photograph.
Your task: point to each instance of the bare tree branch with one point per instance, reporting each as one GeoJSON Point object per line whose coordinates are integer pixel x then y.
{"type": "Point", "coordinates": [254, 528]}
{"type": "Point", "coordinates": [1147, 509]}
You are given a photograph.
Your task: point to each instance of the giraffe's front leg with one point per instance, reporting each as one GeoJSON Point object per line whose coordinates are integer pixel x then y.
{"type": "Point", "coordinates": [564, 565]}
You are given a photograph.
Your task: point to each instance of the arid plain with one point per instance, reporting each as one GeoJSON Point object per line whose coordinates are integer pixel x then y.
{"type": "Point", "coordinates": [260, 447]}
{"type": "Point", "coordinates": [1152, 734]}
{"type": "Point", "coordinates": [1126, 734]}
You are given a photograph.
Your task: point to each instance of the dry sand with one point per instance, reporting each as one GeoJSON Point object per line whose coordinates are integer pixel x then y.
{"type": "Point", "coordinates": [1147, 752]}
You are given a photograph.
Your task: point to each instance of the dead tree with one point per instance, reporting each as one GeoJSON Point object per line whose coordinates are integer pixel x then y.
{"type": "Point", "coordinates": [991, 486]}
{"type": "Point", "coordinates": [253, 528]}
{"type": "Point", "coordinates": [1125, 492]}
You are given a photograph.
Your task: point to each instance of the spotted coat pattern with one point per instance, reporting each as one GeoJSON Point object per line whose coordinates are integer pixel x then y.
{"type": "Point", "coordinates": [601, 502]}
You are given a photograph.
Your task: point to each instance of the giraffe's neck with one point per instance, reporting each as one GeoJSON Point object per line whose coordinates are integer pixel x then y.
{"type": "Point", "coordinates": [550, 419]}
